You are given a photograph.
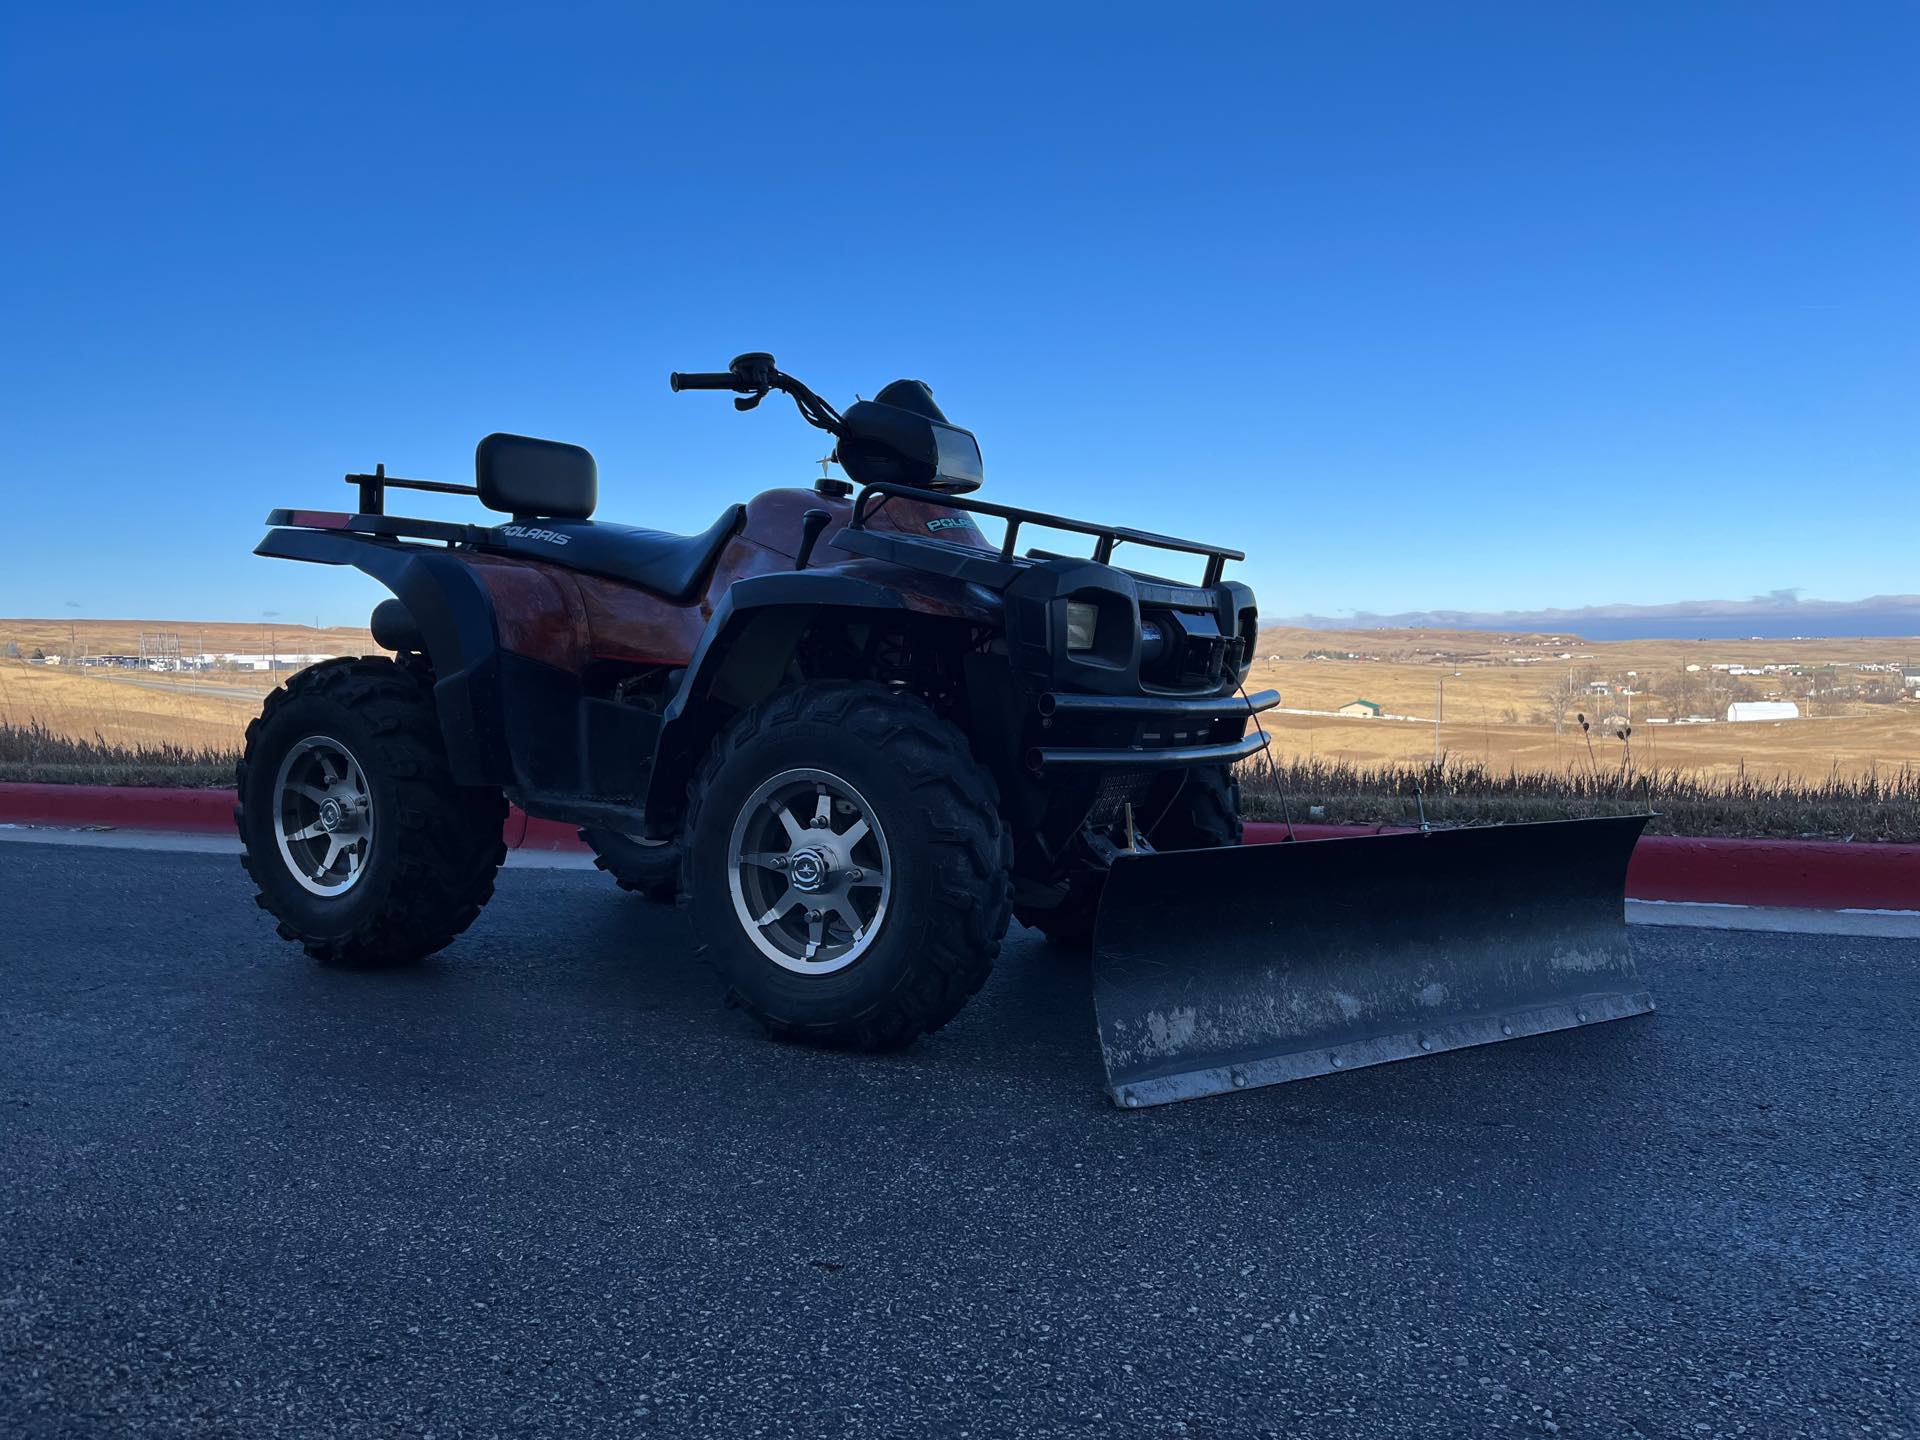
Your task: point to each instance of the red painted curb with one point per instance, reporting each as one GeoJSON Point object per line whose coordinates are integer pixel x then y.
{"type": "Point", "coordinates": [1803, 874]}
{"type": "Point", "coordinates": [199, 812]}
{"type": "Point", "coordinates": [1821, 875]}
{"type": "Point", "coordinates": [1813, 874]}
{"type": "Point", "coordinates": [120, 807]}
{"type": "Point", "coordinates": [549, 834]}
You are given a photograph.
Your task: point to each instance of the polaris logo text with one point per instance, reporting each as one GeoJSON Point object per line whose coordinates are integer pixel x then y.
{"type": "Point", "coordinates": [950, 522]}
{"type": "Point", "coordinates": [523, 532]}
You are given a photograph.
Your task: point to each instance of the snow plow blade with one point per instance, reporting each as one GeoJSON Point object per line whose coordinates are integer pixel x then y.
{"type": "Point", "coordinates": [1218, 970]}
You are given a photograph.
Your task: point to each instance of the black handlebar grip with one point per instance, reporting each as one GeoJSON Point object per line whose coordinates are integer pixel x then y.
{"type": "Point", "coordinates": [703, 380]}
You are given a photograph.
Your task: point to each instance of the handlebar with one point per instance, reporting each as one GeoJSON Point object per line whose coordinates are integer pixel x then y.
{"type": "Point", "coordinates": [753, 375]}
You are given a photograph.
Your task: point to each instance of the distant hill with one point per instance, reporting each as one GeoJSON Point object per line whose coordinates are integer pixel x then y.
{"type": "Point", "coordinates": [122, 637]}
{"type": "Point", "coordinates": [1781, 615]}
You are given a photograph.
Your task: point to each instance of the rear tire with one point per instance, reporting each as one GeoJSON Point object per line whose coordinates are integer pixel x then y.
{"type": "Point", "coordinates": [419, 852]}
{"type": "Point", "coordinates": [1204, 815]}
{"type": "Point", "coordinates": [908, 843]}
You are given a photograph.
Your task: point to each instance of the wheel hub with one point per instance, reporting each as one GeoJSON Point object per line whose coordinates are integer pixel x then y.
{"type": "Point", "coordinates": [323, 814]}
{"type": "Point", "coordinates": [809, 871]}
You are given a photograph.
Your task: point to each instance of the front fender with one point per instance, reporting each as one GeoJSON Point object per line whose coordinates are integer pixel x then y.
{"type": "Point", "coordinates": [742, 656]}
{"type": "Point", "coordinates": [455, 616]}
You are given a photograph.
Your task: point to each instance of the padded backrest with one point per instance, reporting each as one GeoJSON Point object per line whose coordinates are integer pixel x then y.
{"type": "Point", "coordinates": [527, 477]}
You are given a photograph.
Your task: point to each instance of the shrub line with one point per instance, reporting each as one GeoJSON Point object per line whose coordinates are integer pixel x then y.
{"type": "Point", "coordinates": [1876, 807]}
{"type": "Point", "coordinates": [1882, 806]}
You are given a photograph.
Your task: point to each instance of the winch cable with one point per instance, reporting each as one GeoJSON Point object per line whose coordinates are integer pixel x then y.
{"type": "Point", "coordinates": [1273, 770]}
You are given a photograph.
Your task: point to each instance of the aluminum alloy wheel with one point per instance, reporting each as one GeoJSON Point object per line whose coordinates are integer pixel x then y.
{"type": "Point", "coordinates": [808, 866]}
{"type": "Point", "coordinates": [323, 815]}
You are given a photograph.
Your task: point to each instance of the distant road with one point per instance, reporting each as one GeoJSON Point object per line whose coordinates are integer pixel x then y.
{"type": "Point", "coordinates": [1471, 724]}
{"type": "Point", "coordinates": [547, 1185]}
{"type": "Point", "coordinates": [150, 681]}
{"type": "Point", "coordinates": [1336, 715]}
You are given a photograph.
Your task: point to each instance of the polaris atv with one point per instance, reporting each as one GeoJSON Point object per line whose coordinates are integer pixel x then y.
{"type": "Point", "coordinates": [852, 732]}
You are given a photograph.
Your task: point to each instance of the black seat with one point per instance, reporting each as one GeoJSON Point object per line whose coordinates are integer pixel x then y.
{"type": "Point", "coordinates": [671, 565]}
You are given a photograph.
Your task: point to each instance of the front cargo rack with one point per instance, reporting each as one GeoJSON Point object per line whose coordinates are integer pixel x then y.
{"type": "Point", "coordinates": [970, 563]}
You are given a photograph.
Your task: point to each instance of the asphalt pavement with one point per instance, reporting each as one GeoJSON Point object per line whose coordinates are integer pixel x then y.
{"type": "Point", "coordinates": [547, 1184]}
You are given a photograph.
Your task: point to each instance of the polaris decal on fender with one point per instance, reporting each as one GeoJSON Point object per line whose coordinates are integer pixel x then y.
{"type": "Point", "coordinates": [524, 532]}
{"type": "Point", "coordinates": [950, 522]}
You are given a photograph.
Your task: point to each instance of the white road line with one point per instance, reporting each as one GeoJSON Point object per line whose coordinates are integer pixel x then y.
{"type": "Point", "coordinates": [110, 838]}
{"type": "Point", "coordinates": [1895, 924]}
{"type": "Point", "coordinates": [549, 860]}
{"type": "Point", "coordinates": [113, 839]}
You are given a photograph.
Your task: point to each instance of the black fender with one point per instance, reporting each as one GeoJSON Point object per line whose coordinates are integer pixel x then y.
{"type": "Point", "coordinates": [742, 657]}
{"type": "Point", "coordinates": [455, 616]}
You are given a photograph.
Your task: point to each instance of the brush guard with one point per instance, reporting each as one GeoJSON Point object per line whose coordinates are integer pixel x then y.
{"type": "Point", "coordinates": [1218, 970]}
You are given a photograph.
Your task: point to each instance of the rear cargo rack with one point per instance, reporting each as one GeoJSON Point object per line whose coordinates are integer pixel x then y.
{"type": "Point", "coordinates": [373, 488]}
{"type": "Point", "coordinates": [1106, 537]}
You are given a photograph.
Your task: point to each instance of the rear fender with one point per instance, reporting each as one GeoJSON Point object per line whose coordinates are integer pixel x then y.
{"type": "Point", "coordinates": [456, 619]}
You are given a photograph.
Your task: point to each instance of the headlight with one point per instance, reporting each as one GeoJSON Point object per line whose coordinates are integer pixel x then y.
{"type": "Point", "coordinates": [1083, 617]}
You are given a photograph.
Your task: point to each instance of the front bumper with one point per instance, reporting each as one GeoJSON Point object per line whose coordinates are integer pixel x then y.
{"type": "Point", "coordinates": [1147, 732]}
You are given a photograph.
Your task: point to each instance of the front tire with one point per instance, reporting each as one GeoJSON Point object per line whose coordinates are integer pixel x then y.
{"type": "Point", "coordinates": [357, 838]}
{"type": "Point", "coordinates": [1204, 815]}
{"type": "Point", "coordinates": [846, 866]}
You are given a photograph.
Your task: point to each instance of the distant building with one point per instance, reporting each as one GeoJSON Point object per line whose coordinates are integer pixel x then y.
{"type": "Point", "coordinates": [248, 660]}
{"type": "Point", "coordinates": [1365, 709]}
{"type": "Point", "coordinates": [1763, 710]}
{"type": "Point", "coordinates": [1910, 677]}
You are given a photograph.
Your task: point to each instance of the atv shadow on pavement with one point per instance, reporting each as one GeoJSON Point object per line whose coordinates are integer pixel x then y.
{"type": "Point", "coordinates": [624, 973]}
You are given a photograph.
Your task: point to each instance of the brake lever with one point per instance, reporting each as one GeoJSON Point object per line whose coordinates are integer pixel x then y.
{"type": "Point", "coordinates": [747, 402]}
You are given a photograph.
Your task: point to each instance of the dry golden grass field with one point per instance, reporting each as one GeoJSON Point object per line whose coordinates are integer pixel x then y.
{"type": "Point", "coordinates": [135, 707]}
{"type": "Point", "coordinates": [1496, 703]}
{"type": "Point", "coordinates": [1496, 695]}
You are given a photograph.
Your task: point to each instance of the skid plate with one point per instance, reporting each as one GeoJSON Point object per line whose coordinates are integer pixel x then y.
{"type": "Point", "coordinates": [1217, 970]}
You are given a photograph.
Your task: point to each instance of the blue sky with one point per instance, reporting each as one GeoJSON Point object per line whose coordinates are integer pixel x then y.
{"type": "Point", "coordinates": [1476, 307]}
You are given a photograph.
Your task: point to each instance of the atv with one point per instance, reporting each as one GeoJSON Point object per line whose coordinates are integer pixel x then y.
{"type": "Point", "coordinates": [856, 736]}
